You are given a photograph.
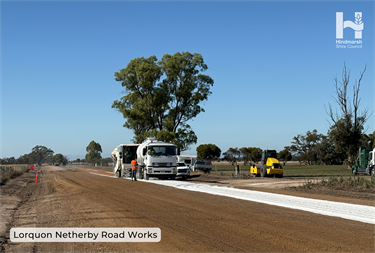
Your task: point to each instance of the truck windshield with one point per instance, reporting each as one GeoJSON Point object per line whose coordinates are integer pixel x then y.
{"type": "Point", "coordinates": [162, 150]}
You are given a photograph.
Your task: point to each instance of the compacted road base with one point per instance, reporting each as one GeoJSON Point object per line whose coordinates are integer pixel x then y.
{"type": "Point", "coordinates": [189, 221]}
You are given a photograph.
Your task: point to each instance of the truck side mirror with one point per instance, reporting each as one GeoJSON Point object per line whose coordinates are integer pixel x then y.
{"type": "Point", "coordinates": [144, 151]}
{"type": "Point", "coordinates": [178, 151]}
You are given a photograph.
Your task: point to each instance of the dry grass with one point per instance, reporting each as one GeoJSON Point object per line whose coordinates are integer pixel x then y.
{"type": "Point", "coordinates": [350, 183]}
{"type": "Point", "coordinates": [8, 172]}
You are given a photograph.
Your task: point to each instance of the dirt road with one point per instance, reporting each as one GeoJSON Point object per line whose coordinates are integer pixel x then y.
{"type": "Point", "coordinates": [189, 221]}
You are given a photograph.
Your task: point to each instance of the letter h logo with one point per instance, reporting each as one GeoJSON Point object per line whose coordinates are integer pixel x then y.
{"type": "Point", "coordinates": [357, 25]}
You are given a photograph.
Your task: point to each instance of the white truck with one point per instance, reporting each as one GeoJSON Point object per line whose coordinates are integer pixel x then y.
{"type": "Point", "coordinates": [188, 159]}
{"type": "Point", "coordinates": [155, 159]}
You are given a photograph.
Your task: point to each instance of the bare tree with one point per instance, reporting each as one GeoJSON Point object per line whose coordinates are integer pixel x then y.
{"type": "Point", "coordinates": [348, 124]}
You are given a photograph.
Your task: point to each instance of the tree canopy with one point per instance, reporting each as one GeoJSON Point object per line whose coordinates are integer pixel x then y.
{"type": "Point", "coordinates": [60, 159]}
{"type": "Point", "coordinates": [302, 144]}
{"type": "Point", "coordinates": [284, 155]}
{"type": "Point", "coordinates": [208, 152]}
{"type": "Point", "coordinates": [94, 152]}
{"type": "Point", "coordinates": [251, 154]}
{"type": "Point", "coordinates": [232, 154]}
{"type": "Point", "coordinates": [39, 154]}
{"type": "Point", "coordinates": [162, 96]}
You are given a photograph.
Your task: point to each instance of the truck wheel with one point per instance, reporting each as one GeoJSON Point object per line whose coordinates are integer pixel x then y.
{"type": "Point", "coordinates": [263, 171]}
{"type": "Point", "coordinates": [145, 175]}
{"type": "Point", "coordinates": [118, 173]}
{"type": "Point", "coordinates": [140, 173]}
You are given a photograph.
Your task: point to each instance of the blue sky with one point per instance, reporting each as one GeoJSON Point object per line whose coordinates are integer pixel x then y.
{"type": "Point", "coordinates": [273, 63]}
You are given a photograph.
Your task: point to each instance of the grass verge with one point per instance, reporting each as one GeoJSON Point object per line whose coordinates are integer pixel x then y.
{"type": "Point", "coordinates": [8, 172]}
{"type": "Point", "coordinates": [350, 183]}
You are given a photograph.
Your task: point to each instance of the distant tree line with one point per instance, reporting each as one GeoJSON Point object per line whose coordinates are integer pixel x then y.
{"type": "Point", "coordinates": [38, 155]}
{"type": "Point", "coordinates": [246, 154]}
{"type": "Point", "coordinates": [41, 154]}
{"type": "Point", "coordinates": [315, 148]}
{"type": "Point", "coordinates": [251, 155]}
{"type": "Point", "coordinates": [310, 148]}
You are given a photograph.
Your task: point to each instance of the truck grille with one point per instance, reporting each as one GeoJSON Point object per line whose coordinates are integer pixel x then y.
{"type": "Point", "coordinates": [160, 164]}
{"type": "Point", "coordinates": [164, 171]}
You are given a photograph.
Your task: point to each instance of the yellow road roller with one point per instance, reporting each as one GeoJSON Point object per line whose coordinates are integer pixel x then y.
{"type": "Point", "coordinates": [269, 166]}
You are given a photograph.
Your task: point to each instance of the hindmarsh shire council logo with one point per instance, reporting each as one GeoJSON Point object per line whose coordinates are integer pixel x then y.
{"type": "Point", "coordinates": [356, 26]}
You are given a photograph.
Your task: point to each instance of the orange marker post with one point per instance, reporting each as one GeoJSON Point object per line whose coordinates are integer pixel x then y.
{"type": "Point", "coordinates": [36, 178]}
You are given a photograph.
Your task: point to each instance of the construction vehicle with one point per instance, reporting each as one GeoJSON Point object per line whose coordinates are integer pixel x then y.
{"type": "Point", "coordinates": [155, 159]}
{"type": "Point", "coordinates": [269, 166]}
{"type": "Point", "coordinates": [364, 164]}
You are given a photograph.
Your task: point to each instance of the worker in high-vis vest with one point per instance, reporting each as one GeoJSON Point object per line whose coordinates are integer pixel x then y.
{"type": "Point", "coordinates": [134, 169]}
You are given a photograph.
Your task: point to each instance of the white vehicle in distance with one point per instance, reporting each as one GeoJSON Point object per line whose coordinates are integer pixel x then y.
{"type": "Point", "coordinates": [183, 170]}
{"type": "Point", "coordinates": [205, 166]}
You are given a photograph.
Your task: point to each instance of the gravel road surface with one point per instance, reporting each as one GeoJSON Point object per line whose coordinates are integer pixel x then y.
{"type": "Point", "coordinates": [190, 221]}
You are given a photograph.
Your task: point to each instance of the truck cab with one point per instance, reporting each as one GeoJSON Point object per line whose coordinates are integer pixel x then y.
{"type": "Point", "coordinates": [364, 164]}
{"type": "Point", "coordinates": [157, 159]}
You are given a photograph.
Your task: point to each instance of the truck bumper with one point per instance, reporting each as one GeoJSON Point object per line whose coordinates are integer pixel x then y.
{"type": "Point", "coordinates": [160, 171]}
{"type": "Point", "coordinates": [183, 174]}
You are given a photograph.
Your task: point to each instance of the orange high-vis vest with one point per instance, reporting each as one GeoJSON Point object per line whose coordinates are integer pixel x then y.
{"type": "Point", "coordinates": [134, 165]}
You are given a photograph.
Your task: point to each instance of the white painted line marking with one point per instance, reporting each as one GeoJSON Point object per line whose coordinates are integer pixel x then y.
{"type": "Point", "coordinates": [348, 211]}
{"type": "Point", "coordinates": [362, 213]}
